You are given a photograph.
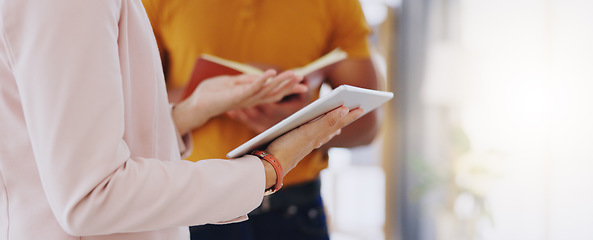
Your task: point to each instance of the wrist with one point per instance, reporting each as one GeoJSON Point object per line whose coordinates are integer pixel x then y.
{"type": "Point", "coordinates": [279, 174]}
{"type": "Point", "coordinates": [180, 118]}
{"type": "Point", "coordinates": [188, 115]}
{"type": "Point", "coordinates": [270, 174]}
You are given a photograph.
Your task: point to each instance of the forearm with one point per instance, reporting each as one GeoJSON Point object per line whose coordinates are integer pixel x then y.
{"type": "Point", "coordinates": [187, 117]}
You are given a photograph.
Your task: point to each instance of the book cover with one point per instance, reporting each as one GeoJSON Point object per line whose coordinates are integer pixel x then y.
{"type": "Point", "coordinates": [208, 66]}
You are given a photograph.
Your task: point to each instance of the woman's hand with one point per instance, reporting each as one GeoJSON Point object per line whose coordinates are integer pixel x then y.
{"type": "Point", "coordinates": [217, 95]}
{"type": "Point", "coordinates": [234, 92]}
{"type": "Point", "coordinates": [293, 146]}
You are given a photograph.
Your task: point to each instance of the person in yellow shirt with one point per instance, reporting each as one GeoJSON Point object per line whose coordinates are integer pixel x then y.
{"type": "Point", "coordinates": [268, 34]}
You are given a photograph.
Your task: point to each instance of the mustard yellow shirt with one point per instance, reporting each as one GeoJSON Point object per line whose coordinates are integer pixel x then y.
{"type": "Point", "coordinates": [287, 34]}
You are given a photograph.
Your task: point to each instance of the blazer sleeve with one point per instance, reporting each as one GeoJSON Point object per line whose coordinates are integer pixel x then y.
{"type": "Point", "coordinates": [65, 59]}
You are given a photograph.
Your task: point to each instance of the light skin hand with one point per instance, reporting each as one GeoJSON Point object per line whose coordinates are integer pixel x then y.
{"type": "Point", "coordinates": [356, 72]}
{"type": "Point", "coordinates": [360, 73]}
{"type": "Point", "coordinates": [217, 95]}
{"type": "Point", "coordinates": [293, 146]}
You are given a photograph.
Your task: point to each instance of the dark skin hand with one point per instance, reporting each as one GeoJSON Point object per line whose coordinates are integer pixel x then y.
{"type": "Point", "coordinates": [263, 116]}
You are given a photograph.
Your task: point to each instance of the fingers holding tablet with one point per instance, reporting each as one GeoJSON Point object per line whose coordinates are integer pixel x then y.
{"type": "Point", "coordinates": [291, 147]}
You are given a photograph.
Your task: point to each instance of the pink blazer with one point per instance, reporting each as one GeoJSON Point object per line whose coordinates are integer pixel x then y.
{"type": "Point", "coordinates": [87, 144]}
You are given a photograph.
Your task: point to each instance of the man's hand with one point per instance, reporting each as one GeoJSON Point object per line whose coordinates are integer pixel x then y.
{"type": "Point", "coordinates": [261, 117]}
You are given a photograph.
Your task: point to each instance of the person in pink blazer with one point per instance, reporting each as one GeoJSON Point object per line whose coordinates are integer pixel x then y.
{"type": "Point", "coordinates": [89, 146]}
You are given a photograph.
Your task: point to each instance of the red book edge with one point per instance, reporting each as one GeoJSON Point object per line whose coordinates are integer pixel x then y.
{"type": "Point", "coordinates": [204, 69]}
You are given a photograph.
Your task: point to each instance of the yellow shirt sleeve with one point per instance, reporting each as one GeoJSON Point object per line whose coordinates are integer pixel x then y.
{"type": "Point", "coordinates": [351, 30]}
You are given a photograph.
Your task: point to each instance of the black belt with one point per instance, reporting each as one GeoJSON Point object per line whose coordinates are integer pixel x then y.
{"type": "Point", "coordinates": [289, 196]}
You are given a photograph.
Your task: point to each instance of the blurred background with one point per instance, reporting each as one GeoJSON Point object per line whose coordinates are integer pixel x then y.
{"type": "Point", "coordinates": [490, 135]}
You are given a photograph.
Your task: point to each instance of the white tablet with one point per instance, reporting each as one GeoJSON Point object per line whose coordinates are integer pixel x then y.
{"type": "Point", "coordinates": [349, 96]}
